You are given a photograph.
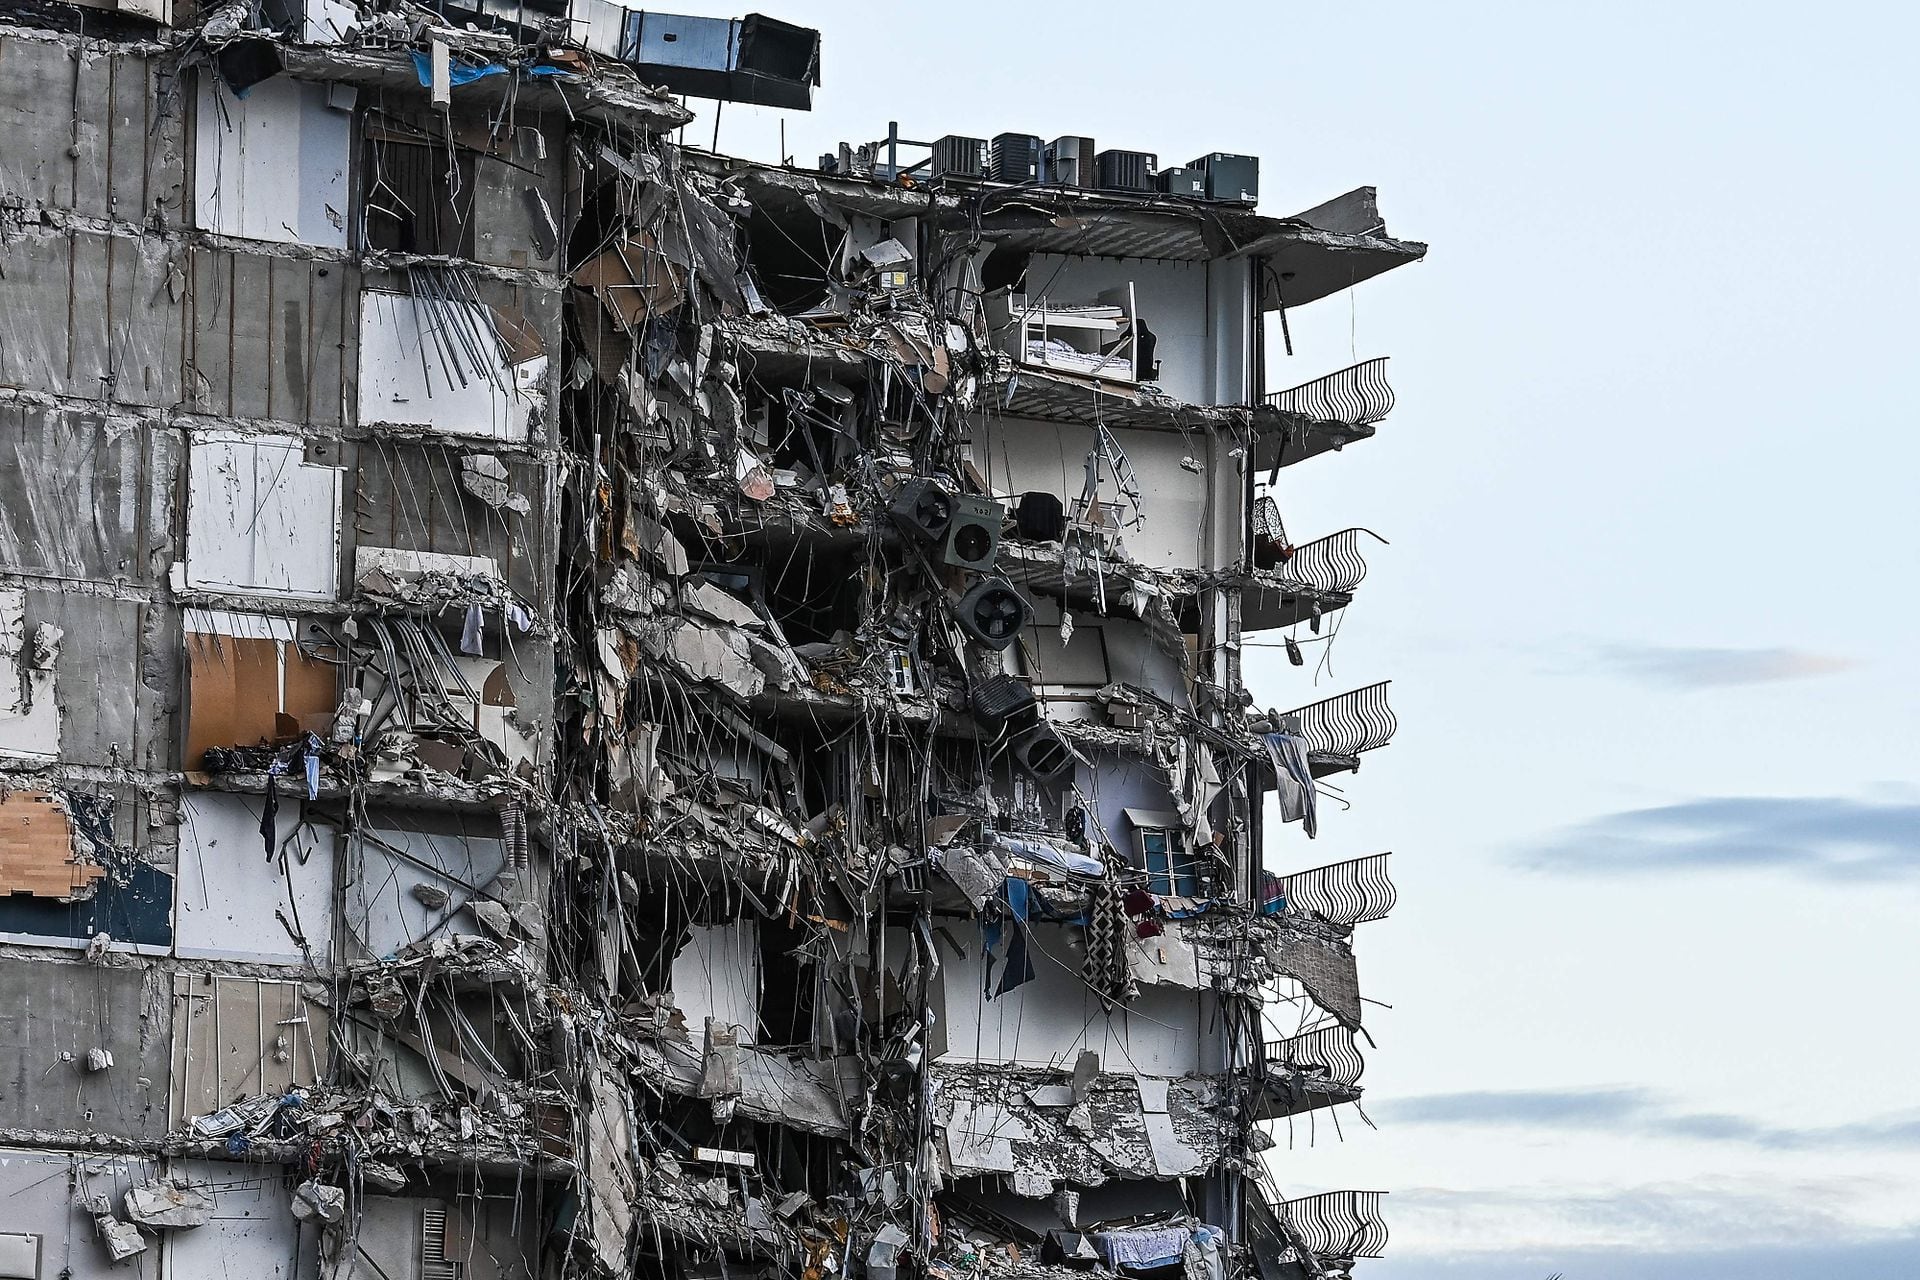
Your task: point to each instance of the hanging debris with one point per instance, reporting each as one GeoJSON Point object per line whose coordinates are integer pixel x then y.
{"type": "Point", "coordinates": [601, 709]}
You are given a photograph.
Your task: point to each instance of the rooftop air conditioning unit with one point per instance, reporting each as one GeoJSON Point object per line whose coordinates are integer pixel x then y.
{"type": "Point", "coordinates": [1014, 157]}
{"type": "Point", "coordinates": [1125, 170]}
{"type": "Point", "coordinates": [958, 157]}
{"type": "Point", "coordinates": [1230, 177]}
{"type": "Point", "coordinates": [1181, 180]}
{"type": "Point", "coordinates": [1068, 162]}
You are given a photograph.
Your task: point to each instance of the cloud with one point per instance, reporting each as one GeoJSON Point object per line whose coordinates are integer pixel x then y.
{"type": "Point", "coordinates": [1551, 1223]}
{"type": "Point", "coordinates": [1895, 1257]}
{"type": "Point", "coordinates": [1641, 1113]}
{"type": "Point", "coordinates": [1824, 837]}
{"type": "Point", "coordinates": [1703, 668]}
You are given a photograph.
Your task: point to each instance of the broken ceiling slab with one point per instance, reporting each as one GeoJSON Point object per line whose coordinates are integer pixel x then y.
{"type": "Point", "coordinates": [169, 1204]}
{"type": "Point", "coordinates": [997, 1119]}
{"type": "Point", "coordinates": [721, 655]}
{"type": "Point", "coordinates": [1330, 248]}
{"type": "Point", "coordinates": [608, 92]}
{"type": "Point", "coordinates": [775, 1087]}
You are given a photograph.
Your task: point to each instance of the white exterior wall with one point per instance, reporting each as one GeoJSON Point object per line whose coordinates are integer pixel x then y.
{"type": "Point", "coordinates": [381, 907]}
{"type": "Point", "coordinates": [1048, 1021]}
{"type": "Point", "coordinates": [1114, 784]}
{"type": "Point", "coordinates": [717, 975]}
{"type": "Point", "coordinates": [261, 518]}
{"type": "Point", "coordinates": [273, 165]}
{"type": "Point", "coordinates": [252, 1232]}
{"type": "Point", "coordinates": [1179, 527]}
{"type": "Point", "coordinates": [227, 892]}
{"type": "Point", "coordinates": [409, 376]}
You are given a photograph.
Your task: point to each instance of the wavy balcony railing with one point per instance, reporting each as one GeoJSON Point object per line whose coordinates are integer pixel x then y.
{"type": "Point", "coordinates": [1350, 892]}
{"type": "Point", "coordinates": [1347, 723]}
{"type": "Point", "coordinates": [1328, 1055]}
{"type": "Point", "coordinates": [1336, 1224]}
{"type": "Point", "coordinates": [1356, 395]}
{"type": "Point", "coordinates": [1332, 563]}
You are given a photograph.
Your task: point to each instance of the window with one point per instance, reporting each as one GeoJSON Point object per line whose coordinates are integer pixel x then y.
{"type": "Point", "coordinates": [1168, 862]}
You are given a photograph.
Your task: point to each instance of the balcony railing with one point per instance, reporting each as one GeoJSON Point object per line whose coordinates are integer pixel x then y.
{"type": "Point", "coordinates": [1336, 1224]}
{"type": "Point", "coordinates": [1328, 1055]}
{"type": "Point", "coordinates": [1332, 563]}
{"type": "Point", "coordinates": [1354, 395]}
{"type": "Point", "coordinates": [1350, 892]}
{"type": "Point", "coordinates": [1348, 723]}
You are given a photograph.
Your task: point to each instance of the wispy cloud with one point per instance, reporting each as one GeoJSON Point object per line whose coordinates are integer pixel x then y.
{"type": "Point", "coordinates": [1676, 667]}
{"type": "Point", "coordinates": [1642, 1113]}
{"type": "Point", "coordinates": [1882, 1258]}
{"type": "Point", "coordinates": [1824, 837]}
{"type": "Point", "coordinates": [1555, 1222]}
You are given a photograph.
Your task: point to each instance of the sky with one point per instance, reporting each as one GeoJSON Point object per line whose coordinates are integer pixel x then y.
{"type": "Point", "coordinates": [1649, 607]}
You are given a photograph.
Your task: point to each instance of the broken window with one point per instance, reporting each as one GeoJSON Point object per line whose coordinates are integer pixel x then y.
{"type": "Point", "coordinates": [418, 195]}
{"type": "Point", "coordinates": [250, 685]}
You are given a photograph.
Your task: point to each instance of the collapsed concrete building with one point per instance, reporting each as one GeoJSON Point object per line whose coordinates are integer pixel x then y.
{"type": "Point", "coordinates": [575, 706]}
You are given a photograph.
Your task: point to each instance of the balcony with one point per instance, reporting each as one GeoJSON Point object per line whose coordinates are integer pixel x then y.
{"type": "Point", "coordinates": [1357, 395]}
{"type": "Point", "coordinates": [1318, 578]}
{"type": "Point", "coordinates": [1330, 412]}
{"type": "Point", "coordinates": [1306, 1072]}
{"type": "Point", "coordinates": [1340, 729]}
{"type": "Point", "coordinates": [1343, 893]}
{"type": "Point", "coordinates": [1299, 1239]}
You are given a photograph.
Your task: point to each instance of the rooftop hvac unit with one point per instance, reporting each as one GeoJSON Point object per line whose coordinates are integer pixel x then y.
{"type": "Point", "coordinates": [1229, 177]}
{"type": "Point", "coordinates": [1125, 170]}
{"type": "Point", "coordinates": [958, 157]}
{"type": "Point", "coordinates": [1014, 157]}
{"type": "Point", "coordinates": [1068, 162]}
{"type": "Point", "coordinates": [1182, 180]}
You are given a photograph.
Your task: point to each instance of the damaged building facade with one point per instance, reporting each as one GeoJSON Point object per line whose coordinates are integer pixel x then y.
{"type": "Point", "coordinates": [575, 706]}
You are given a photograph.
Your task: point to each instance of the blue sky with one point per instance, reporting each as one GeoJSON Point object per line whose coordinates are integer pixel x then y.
{"type": "Point", "coordinates": [1650, 600]}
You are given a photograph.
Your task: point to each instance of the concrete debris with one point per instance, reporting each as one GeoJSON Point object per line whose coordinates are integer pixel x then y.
{"type": "Point", "coordinates": [316, 1202]}
{"type": "Point", "coordinates": [600, 708]}
{"type": "Point", "coordinates": [170, 1204]}
{"type": "Point", "coordinates": [121, 1240]}
{"type": "Point", "coordinates": [486, 478]}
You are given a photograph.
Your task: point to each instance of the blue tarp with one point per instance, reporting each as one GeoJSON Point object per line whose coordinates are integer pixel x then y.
{"type": "Point", "coordinates": [460, 73]}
